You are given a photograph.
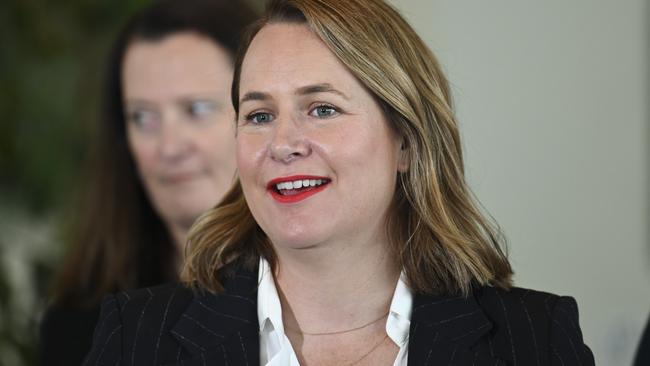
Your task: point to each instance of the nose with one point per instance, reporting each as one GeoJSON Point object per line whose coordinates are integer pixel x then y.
{"type": "Point", "coordinates": [288, 142]}
{"type": "Point", "coordinates": [175, 142]}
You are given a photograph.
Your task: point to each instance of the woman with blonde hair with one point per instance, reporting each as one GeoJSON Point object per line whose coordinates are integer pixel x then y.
{"type": "Point", "coordinates": [350, 237]}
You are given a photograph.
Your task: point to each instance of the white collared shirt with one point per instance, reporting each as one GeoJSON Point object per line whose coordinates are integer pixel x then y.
{"type": "Point", "coordinates": [275, 347]}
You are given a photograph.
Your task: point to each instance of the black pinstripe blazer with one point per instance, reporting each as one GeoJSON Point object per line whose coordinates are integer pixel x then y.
{"type": "Point", "coordinates": [174, 325]}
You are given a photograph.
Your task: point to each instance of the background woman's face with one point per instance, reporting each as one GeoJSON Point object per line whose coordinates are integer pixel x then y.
{"type": "Point", "coordinates": [180, 122]}
{"type": "Point", "coordinates": [306, 120]}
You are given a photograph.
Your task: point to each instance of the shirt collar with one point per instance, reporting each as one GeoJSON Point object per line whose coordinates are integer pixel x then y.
{"type": "Point", "coordinates": [399, 317]}
{"type": "Point", "coordinates": [269, 309]}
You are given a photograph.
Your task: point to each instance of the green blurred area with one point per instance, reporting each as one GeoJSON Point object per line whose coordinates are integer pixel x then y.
{"type": "Point", "coordinates": [51, 68]}
{"type": "Point", "coordinates": [50, 72]}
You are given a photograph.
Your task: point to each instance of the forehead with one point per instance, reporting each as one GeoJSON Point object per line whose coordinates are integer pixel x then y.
{"type": "Point", "coordinates": [184, 60]}
{"type": "Point", "coordinates": [287, 55]}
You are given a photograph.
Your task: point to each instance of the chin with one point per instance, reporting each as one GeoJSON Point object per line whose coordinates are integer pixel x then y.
{"type": "Point", "coordinates": [186, 214]}
{"type": "Point", "coordinates": [296, 240]}
{"type": "Point", "coordinates": [196, 204]}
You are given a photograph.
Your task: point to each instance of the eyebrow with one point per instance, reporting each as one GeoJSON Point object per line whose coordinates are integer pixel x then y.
{"type": "Point", "coordinates": [305, 90]}
{"type": "Point", "coordinates": [254, 96]}
{"type": "Point", "coordinates": [320, 88]}
{"type": "Point", "coordinates": [130, 102]}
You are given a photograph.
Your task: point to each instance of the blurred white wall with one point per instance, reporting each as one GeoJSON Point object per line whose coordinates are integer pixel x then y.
{"type": "Point", "coordinates": [553, 102]}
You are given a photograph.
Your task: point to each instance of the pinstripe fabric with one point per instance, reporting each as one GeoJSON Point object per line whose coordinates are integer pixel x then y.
{"type": "Point", "coordinates": [495, 327]}
{"type": "Point", "coordinates": [173, 325]}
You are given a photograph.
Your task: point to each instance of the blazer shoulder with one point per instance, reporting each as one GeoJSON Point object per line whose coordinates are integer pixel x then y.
{"type": "Point", "coordinates": [175, 291]}
{"type": "Point", "coordinates": [134, 325]}
{"type": "Point", "coordinates": [151, 304]}
{"type": "Point", "coordinates": [517, 297]}
{"type": "Point", "coordinates": [521, 310]}
{"type": "Point", "coordinates": [529, 322]}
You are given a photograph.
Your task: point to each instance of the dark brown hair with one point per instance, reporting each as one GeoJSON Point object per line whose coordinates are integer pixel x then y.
{"type": "Point", "coordinates": [437, 231]}
{"type": "Point", "coordinates": [120, 241]}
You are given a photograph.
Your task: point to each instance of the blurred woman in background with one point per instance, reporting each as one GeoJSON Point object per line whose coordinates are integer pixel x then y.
{"type": "Point", "coordinates": [163, 154]}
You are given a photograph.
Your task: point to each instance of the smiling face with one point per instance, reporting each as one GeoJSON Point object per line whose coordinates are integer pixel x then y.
{"type": "Point", "coordinates": [180, 123]}
{"type": "Point", "coordinates": [317, 159]}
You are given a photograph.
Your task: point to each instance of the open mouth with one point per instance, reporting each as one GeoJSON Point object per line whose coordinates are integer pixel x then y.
{"type": "Point", "coordinates": [296, 188]}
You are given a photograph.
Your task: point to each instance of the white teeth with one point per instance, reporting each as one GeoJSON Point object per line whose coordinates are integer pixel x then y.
{"type": "Point", "coordinates": [282, 185]}
{"type": "Point", "coordinates": [297, 184]}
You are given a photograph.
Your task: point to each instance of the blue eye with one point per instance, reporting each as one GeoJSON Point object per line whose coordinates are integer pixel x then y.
{"type": "Point", "coordinates": [324, 111]}
{"type": "Point", "coordinates": [143, 119]}
{"type": "Point", "coordinates": [260, 117]}
{"type": "Point", "coordinates": [200, 108]}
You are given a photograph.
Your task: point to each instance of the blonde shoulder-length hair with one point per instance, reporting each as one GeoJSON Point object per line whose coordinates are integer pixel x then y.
{"type": "Point", "coordinates": [436, 230]}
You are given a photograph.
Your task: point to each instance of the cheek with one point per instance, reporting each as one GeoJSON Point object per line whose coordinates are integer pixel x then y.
{"type": "Point", "coordinates": [356, 148]}
{"type": "Point", "coordinates": [249, 169]}
{"type": "Point", "coordinates": [369, 156]}
{"type": "Point", "coordinates": [143, 153]}
{"type": "Point", "coordinates": [245, 164]}
{"type": "Point", "coordinates": [250, 152]}
{"type": "Point", "coordinates": [222, 147]}
{"type": "Point", "coordinates": [217, 146]}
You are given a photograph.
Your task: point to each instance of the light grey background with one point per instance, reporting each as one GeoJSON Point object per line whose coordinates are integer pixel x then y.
{"type": "Point", "coordinates": [553, 102]}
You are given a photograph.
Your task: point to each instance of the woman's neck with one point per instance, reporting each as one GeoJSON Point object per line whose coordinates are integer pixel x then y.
{"type": "Point", "coordinates": [333, 287]}
{"type": "Point", "coordinates": [178, 234]}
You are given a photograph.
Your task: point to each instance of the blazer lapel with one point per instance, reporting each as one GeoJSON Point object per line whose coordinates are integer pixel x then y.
{"type": "Point", "coordinates": [222, 329]}
{"type": "Point", "coordinates": [444, 329]}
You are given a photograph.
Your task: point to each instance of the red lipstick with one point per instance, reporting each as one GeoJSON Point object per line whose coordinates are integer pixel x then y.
{"type": "Point", "coordinates": [289, 193]}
